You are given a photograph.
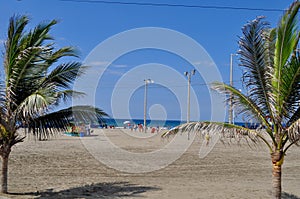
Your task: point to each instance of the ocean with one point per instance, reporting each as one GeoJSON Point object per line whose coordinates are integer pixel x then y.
{"type": "Point", "coordinates": [150, 123]}
{"type": "Point", "coordinates": [161, 123]}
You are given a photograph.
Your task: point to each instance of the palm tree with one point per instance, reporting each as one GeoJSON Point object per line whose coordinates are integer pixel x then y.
{"type": "Point", "coordinates": [270, 59]}
{"type": "Point", "coordinates": [33, 85]}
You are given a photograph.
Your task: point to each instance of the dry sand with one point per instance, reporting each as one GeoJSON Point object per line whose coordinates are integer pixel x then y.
{"type": "Point", "coordinates": [63, 168]}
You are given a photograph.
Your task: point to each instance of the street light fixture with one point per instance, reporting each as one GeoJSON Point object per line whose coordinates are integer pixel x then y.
{"type": "Point", "coordinates": [230, 114]}
{"type": "Point", "coordinates": [189, 75]}
{"type": "Point", "coordinates": [147, 81]}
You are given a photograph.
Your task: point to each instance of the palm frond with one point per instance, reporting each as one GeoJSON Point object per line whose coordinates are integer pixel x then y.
{"type": "Point", "coordinates": [293, 131]}
{"type": "Point", "coordinates": [295, 116]}
{"type": "Point", "coordinates": [2, 97]}
{"type": "Point", "coordinates": [48, 124]}
{"type": "Point", "coordinates": [242, 103]}
{"type": "Point", "coordinates": [253, 58]}
{"type": "Point", "coordinates": [36, 103]}
{"type": "Point", "coordinates": [15, 32]}
{"type": "Point", "coordinates": [62, 52]}
{"type": "Point", "coordinates": [24, 68]}
{"type": "Point", "coordinates": [285, 44]}
{"type": "Point", "coordinates": [38, 35]}
{"type": "Point", "coordinates": [291, 89]}
{"type": "Point", "coordinates": [64, 75]}
{"type": "Point", "coordinates": [68, 94]}
{"type": "Point", "coordinates": [245, 106]}
{"type": "Point", "coordinates": [224, 131]}
{"type": "Point", "coordinates": [88, 114]}
{"type": "Point", "coordinates": [269, 36]}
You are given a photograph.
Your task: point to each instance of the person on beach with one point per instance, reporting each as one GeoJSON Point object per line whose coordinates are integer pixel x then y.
{"type": "Point", "coordinates": [88, 129]}
{"type": "Point", "coordinates": [207, 138]}
{"type": "Point", "coordinates": [153, 129]}
{"type": "Point", "coordinates": [131, 127]}
{"type": "Point", "coordinates": [74, 128]}
{"type": "Point", "coordinates": [135, 127]}
{"type": "Point", "coordinates": [140, 128]}
{"type": "Point", "coordinates": [82, 128]}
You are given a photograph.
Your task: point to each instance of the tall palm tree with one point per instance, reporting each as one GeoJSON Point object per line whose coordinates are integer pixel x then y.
{"type": "Point", "coordinates": [33, 85]}
{"type": "Point", "coordinates": [270, 59]}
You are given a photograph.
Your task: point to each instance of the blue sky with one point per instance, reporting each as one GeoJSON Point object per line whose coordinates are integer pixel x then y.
{"type": "Point", "coordinates": [85, 25]}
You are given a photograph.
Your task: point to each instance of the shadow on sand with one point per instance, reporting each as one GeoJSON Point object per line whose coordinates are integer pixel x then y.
{"type": "Point", "coordinates": [99, 190]}
{"type": "Point", "coordinates": [285, 195]}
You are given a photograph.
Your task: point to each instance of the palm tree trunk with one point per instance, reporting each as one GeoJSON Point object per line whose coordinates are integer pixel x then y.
{"type": "Point", "coordinates": [276, 174]}
{"type": "Point", "coordinates": [277, 160]}
{"type": "Point", "coordinates": [4, 176]}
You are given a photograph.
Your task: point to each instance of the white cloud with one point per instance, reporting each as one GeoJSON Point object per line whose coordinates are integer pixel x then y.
{"type": "Point", "coordinates": [97, 63]}
{"type": "Point", "coordinates": [105, 63]}
{"type": "Point", "coordinates": [113, 69]}
{"type": "Point", "coordinates": [115, 72]}
{"type": "Point", "coordinates": [119, 65]}
{"type": "Point", "coordinates": [203, 63]}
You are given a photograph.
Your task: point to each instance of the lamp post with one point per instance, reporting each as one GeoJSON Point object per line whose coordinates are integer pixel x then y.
{"type": "Point", "coordinates": [230, 114]}
{"type": "Point", "coordinates": [147, 81]}
{"type": "Point", "coordinates": [189, 75]}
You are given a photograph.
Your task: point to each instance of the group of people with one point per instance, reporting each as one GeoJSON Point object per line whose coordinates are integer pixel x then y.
{"type": "Point", "coordinates": [135, 127]}
{"type": "Point", "coordinates": [81, 128]}
{"type": "Point", "coordinates": [140, 127]}
{"type": "Point", "coordinates": [105, 126]}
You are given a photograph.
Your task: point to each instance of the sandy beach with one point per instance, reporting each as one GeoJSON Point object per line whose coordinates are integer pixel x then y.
{"type": "Point", "coordinates": [63, 167]}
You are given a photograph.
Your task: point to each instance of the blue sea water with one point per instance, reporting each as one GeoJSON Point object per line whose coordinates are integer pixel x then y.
{"type": "Point", "coordinates": [150, 123]}
{"type": "Point", "coordinates": [162, 123]}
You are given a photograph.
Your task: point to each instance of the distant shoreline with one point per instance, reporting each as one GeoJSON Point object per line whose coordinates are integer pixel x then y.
{"type": "Point", "coordinates": [129, 122]}
{"type": "Point", "coordinates": [161, 123]}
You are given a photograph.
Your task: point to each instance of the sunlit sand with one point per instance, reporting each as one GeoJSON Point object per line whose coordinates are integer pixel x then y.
{"type": "Point", "coordinates": [63, 168]}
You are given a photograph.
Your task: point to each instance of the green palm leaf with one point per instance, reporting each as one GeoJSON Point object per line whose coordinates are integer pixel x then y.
{"type": "Point", "coordinates": [47, 124]}
{"type": "Point", "coordinates": [257, 76]}
{"type": "Point", "coordinates": [244, 104]}
{"type": "Point", "coordinates": [15, 31]}
{"type": "Point", "coordinates": [38, 35]}
{"type": "Point", "coordinates": [36, 103]}
{"type": "Point", "coordinates": [286, 43]}
{"type": "Point", "coordinates": [67, 94]}
{"type": "Point", "coordinates": [62, 52]}
{"type": "Point", "coordinates": [224, 131]}
{"type": "Point", "coordinates": [291, 89]}
{"type": "Point", "coordinates": [64, 75]}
